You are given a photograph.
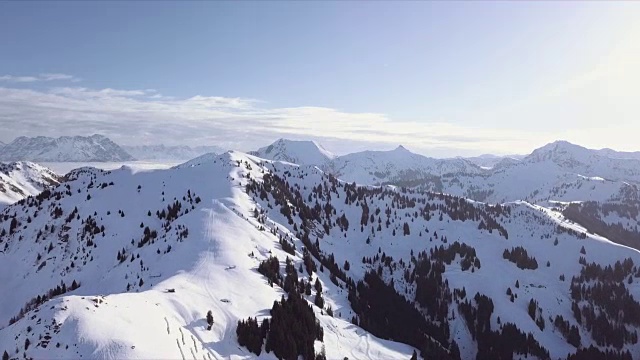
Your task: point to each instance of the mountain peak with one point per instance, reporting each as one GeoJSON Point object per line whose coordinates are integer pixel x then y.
{"type": "Point", "coordinates": [564, 153]}
{"type": "Point", "coordinates": [301, 152]}
{"type": "Point", "coordinates": [560, 145]}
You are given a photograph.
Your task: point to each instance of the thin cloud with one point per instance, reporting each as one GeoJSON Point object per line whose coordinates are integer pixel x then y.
{"type": "Point", "coordinates": [52, 77]}
{"type": "Point", "coordinates": [18, 79]}
{"type": "Point", "coordinates": [41, 77]}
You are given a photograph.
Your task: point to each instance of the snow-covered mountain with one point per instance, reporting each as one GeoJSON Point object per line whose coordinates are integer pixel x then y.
{"type": "Point", "coordinates": [95, 148]}
{"type": "Point", "coordinates": [559, 171]}
{"type": "Point", "coordinates": [163, 152]}
{"type": "Point", "coordinates": [489, 161]}
{"type": "Point", "coordinates": [398, 166]}
{"type": "Point", "coordinates": [295, 151]}
{"type": "Point", "coordinates": [367, 167]}
{"type": "Point", "coordinates": [21, 179]}
{"type": "Point", "coordinates": [196, 241]}
{"type": "Point", "coordinates": [613, 154]}
{"type": "Point", "coordinates": [205, 158]}
{"type": "Point", "coordinates": [538, 183]}
{"type": "Point", "coordinates": [93, 276]}
{"type": "Point", "coordinates": [586, 162]}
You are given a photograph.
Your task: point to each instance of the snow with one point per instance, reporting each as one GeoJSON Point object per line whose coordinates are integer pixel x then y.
{"type": "Point", "coordinates": [140, 165]}
{"type": "Point", "coordinates": [586, 162]}
{"type": "Point", "coordinates": [556, 172]}
{"type": "Point", "coordinates": [204, 270]}
{"type": "Point", "coordinates": [298, 152]}
{"type": "Point", "coordinates": [169, 153]}
{"type": "Point", "coordinates": [489, 161]}
{"type": "Point", "coordinates": [21, 179]}
{"type": "Point", "coordinates": [65, 148]}
{"type": "Point", "coordinates": [215, 266]}
{"type": "Point", "coordinates": [377, 167]}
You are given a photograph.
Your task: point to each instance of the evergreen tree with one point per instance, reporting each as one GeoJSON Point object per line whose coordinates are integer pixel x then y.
{"type": "Point", "coordinates": [415, 355]}
{"type": "Point", "coordinates": [209, 319]}
{"type": "Point", "coordinates": [319, 301]}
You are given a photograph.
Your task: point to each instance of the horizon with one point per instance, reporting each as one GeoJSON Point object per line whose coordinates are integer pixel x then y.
{"type": "Point", "coordinates": [234, 74]}
{"type": "Point", "coordinates": [322, 146]}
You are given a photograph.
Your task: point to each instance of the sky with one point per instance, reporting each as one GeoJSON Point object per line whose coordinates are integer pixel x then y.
{"type": "Point", "coordinates": [441, 78]}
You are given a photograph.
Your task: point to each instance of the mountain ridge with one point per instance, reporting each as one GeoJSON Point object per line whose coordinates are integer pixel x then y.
{"type": "Point", "coordinates": [169, 152]}
{"type": "Point", "coordinates": [558, 171]}
{"type": "Point", "coordinates": [19, 180]}
{"type": "Point", "coordinates": [94, 148]}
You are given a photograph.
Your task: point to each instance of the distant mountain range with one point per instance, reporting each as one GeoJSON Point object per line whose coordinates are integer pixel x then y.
{"type": "Point", "coordinates": [63, 149]}
{"type": "Point", "coordinates": [363, 167]}
{"type": "Point", "coordinates": [366, 167]}
{"type": "Point", "coordinates": [558, 171]}
{"type": "Point", "coordinates": [94, 148]}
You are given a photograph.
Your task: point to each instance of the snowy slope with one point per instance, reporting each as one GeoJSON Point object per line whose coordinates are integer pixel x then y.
{"type": "Point", "coordinates": [613, 154]}
{"type": "Point", "coordinates": [21, 179]}
{"type": "Point", "coordinates": [395, 166]}
{"type": "Point", "coordinates": [113, 315]}
{"type": "Point", "coordinates": [533, 227]}
{"type": "Point", "coordinates": [202, 159]}
{"type": "Point", "coordinates": [65, 167]}
{"type": "Point", "coordinates": [559, 171]}
{"type": "Point", "coordinates": [586, 162]}
{"type": "Point", "coordinates": [214, 242]}
{"type": "Point", "coordinates": [536, 182]}
{"type": "Point", "coordinates": [489, 161]}
{"type": "Point", "coordinates": [63, 149]}
{"type": "Point", "coordinates": [163, 152]}
{"type": "Point", "coordinates": [295, 151]}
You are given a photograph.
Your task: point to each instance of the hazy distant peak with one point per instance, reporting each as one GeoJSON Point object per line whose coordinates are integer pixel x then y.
{"type": "Point", "coordinates": [302, 152]}
{"type": "Point", "coordinates": [63, 149]}
{"type": "Point", "coordinates": [560, 150]}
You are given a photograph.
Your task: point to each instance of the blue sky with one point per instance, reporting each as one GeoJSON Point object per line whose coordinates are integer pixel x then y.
{"type": "Point", "coordinates": [444, 79]}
